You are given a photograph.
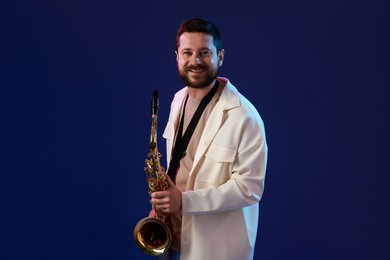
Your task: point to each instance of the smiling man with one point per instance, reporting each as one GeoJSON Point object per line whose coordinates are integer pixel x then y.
{"type": "Point", "coordinates": [198, 59]}
{"type": "Point", "coordinates": [216, 152]}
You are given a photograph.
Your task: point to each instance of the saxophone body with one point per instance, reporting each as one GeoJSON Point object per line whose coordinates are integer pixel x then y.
{"type": "Point", "coordinates": [153, 234]}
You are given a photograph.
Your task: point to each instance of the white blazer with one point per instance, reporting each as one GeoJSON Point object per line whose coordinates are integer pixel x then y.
{"type": "Point", "coordinates": [226, 182]}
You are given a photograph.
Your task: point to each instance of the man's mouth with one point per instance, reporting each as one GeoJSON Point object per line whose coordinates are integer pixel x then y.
{"type": "Point", "coordinates": [196, 70]}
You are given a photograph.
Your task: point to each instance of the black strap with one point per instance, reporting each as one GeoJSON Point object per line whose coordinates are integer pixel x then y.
{"type": "Point", "coordinates": [182, 141]}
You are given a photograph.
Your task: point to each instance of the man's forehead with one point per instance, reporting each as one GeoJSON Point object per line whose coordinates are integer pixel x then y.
{"type": "Point", "coordinates": [195, 40]}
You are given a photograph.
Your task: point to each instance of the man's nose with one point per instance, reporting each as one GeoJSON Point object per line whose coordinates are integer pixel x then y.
{"type": "Point", "coordinates": [196, 60]}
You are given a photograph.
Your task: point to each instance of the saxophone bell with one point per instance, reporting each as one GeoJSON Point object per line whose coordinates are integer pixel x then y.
{"type": "Point", "coordinates": [152, 236]}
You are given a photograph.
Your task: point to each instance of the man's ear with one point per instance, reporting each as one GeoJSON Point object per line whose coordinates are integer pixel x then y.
{"type": "Point", "coordinates": [221, 56]}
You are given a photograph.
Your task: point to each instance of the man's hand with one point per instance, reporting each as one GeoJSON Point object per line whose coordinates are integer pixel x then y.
{"type": "Point", "coordinates": [168, 201]}
{"type": "Point", "coordinates": [152, 214]}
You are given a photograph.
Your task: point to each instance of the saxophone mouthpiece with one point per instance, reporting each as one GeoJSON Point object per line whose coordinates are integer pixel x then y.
{"type": "Point", "coordinates": [154, 104]}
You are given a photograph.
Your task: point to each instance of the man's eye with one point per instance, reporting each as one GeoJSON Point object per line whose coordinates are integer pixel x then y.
{"type": "Point", "coordinates": [187, 53]}
{"type": "Point", "coordinates": [205, 53]}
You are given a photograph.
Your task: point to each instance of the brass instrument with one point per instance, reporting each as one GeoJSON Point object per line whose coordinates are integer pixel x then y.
{"type": "Point", "coordinates": [153, 234]}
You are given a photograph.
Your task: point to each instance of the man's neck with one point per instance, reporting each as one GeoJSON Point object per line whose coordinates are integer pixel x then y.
{"type": "Point", "coordinates": [200, 93]}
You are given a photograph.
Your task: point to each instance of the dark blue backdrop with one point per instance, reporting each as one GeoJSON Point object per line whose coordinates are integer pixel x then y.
{"type": "Point", "coordinates": [76, 79]}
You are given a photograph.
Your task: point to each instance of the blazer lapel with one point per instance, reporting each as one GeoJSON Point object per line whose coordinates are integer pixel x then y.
{"type": "Point", "coordinates": [211, 129]}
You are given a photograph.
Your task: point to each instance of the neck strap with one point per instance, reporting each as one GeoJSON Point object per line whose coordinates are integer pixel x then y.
{"type": "Point", "coordinates": [182, 141]}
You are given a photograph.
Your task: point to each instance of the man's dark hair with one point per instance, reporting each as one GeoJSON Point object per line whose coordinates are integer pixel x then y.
{"type": "Point", "coordinates": [203, 26]}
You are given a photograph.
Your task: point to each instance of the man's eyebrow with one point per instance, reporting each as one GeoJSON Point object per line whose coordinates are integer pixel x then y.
{"type": "Point", "coordinates": [201, 49]}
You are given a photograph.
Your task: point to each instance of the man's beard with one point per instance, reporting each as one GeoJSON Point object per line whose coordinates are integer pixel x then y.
{"type": "Point", "coordinates": [202, 82]}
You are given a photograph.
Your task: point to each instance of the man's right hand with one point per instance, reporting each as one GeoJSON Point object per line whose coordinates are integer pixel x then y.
{"type": "Point", "coordinates": [152, 214]}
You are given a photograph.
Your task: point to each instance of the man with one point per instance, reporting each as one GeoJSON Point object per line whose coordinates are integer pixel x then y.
{"type": "Point", "coordinates": [219, 177]}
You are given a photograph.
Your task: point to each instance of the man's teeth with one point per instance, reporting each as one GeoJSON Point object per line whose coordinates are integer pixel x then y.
{"type": "Point", "coordinates": [196, 70]}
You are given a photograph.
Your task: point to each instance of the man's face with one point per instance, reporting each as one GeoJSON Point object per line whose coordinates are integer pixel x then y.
{"type": "Point", "coordinates": [197, 59]}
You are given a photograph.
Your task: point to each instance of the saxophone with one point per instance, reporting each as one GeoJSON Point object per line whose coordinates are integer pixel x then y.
{"type": "Point", "coordinates": [153, 234]}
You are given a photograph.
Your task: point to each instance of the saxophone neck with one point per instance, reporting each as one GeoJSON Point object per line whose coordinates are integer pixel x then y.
{"type": "Point", "coordinates": [153, 133]}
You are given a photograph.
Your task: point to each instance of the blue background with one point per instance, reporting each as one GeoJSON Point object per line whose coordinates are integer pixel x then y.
{"type": "Point", "coordinates": [76, 79]}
